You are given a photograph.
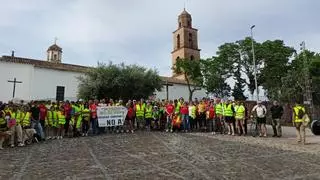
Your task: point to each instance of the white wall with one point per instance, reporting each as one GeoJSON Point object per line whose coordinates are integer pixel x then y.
{"type": "Point", "coordinates": [178, 90]}
{"type": "Point", "coordinates": [23, 72]}
{"type": "Point", "coordinates": [41, 83]}
{"type": "Point", "coordinates": [47, 80]}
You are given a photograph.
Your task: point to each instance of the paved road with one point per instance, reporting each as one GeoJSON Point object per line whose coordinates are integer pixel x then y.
{"type": "Point", "coordinates": [158, 155]}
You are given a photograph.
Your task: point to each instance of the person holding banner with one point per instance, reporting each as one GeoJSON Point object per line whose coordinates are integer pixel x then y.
{"type": "Point", "coordinates": [119, 127]}
{"type": "Point", "coordinates": [140, 110]}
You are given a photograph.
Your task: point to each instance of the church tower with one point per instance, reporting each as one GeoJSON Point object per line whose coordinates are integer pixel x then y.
{"type": "Point", "coordinates": [185, 41]}
{"type": "Point", "coordinates": [54, 53]}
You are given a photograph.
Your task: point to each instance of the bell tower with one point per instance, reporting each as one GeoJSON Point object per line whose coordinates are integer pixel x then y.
{"type": "Point", "coordinates": [185, 41]}
{"type": "Point", "coordinates": [54, 53]}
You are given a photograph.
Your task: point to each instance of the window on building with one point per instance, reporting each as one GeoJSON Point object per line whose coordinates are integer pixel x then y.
{"type": "Point", "coordinates": [191, 57]}
{"type": "Point", "coordinates": [55, 57]}
{"type": "Point", "coordinates": [189, 24]}
{"type": "Point", "coordinates": [178, 41]}
{"type": "Point", "coordinates": [179, 24]}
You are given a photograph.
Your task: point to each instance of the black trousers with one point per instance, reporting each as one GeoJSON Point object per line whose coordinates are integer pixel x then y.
{"type": "Point", "coordinates": [66, 125]}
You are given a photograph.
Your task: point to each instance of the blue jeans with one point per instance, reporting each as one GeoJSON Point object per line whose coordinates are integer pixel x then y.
{"type": "Point", "coordinates": [94, 125]}
{"type": "Point", "coordinates": [185, 120]}
{"type": "Point", "coordinates": [37, 126]}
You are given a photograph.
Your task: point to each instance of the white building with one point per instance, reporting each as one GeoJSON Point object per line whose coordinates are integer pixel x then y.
{"type": "Point", "coordinates": [41, 80]}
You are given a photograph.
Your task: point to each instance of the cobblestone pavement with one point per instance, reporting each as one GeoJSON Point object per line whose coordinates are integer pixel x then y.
{"type": "Point", "coordinates": [158, 155]}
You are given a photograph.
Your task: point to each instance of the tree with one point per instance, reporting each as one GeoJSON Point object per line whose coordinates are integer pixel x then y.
{"type": "Point", "coordinates": [275, 57]}
{"type": "Point", "coordinates": [238, 89]}
{"type": "Point", "coordinates": [293, 83]}
{"type": "Point", "coordinates": [315, 76]}
{"type": "Point", "coordinates": [191, 71]}
{"type": "Point", "coordinates": [119, 81]}
{"type": "Point", "coordinates": [215, 75]}
{"type": "Point", "coordinates": [237, 58]}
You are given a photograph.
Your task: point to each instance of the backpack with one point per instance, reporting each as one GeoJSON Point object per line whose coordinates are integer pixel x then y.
{"type": "Point", "coordinates": [300, 113]}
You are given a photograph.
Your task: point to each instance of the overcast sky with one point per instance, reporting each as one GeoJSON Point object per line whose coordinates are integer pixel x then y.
{"type": "Point", "coordinates": [140, 31]}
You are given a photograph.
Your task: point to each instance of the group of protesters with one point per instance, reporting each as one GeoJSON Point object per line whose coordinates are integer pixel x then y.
{"type": "Point", "coordinates": [24, 123]}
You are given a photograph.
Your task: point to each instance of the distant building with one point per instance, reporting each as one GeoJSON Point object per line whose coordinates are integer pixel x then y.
{"type": "Point", "coordinates": [52, 79]}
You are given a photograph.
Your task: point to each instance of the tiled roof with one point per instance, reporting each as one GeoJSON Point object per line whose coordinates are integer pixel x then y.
{"type": "Point", "coordinates": [45, 64]}
{"type": "Point", "coordinates": [68, 67]}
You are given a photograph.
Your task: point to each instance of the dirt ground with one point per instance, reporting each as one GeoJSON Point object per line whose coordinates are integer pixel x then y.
{"type": "Point", "coordinates": [159, 155]}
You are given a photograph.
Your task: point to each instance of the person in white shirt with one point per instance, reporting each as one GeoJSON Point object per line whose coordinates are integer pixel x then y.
{"type": "Point", "coordinates": [260, 111]}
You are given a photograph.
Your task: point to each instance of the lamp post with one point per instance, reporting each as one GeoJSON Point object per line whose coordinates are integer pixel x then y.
{"type": "Point", "coordinates": [254, 64]}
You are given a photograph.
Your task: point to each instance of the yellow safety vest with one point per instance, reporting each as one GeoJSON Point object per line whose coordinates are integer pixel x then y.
{"type": "Point", "coordinates": [26, 119]}
{"type": "Point", "coordinates": [18, 116]}
{"type": "Point", "coordinates": [240, 111]}
{"type": "Point", "coordinates": [193, 112]}
{"type": "Point", "coordinates": [219, 109]}
{"type": "Point", "coordinates": [86, 114]}
{"type": "Point", "coordinates": [149, 112]}
{"type": "Point", "coordinates": [140, 110]}
{"type": "Point", "coordinates": [228, 110]}
{"type": "Point", "coordinates": [296, 111]}
{"type": "Point", "coordinates": [61, 118]}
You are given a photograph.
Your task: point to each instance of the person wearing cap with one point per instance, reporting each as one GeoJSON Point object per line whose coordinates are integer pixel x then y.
{"type": "Point", "coordinates": [260, 111]}
{"type": "Point", "coordinates": [276, 113]}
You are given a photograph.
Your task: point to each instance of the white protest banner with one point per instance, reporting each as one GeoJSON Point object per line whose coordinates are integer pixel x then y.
{"type": "Point", "coordinates": [111, 115]}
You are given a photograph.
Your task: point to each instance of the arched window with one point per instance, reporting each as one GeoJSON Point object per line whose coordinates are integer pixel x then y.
{"type": "Point", "coordinates": [55, 57]}
{"type": "Point", "coordinates": [190, 40]}
{"type": "Point", "coordinates": [179, 24]}
{"type": "Point", "coordinates": [189, 24]}
{"type": "Point", "coordinates": [178, 41]}
{"type": "Point", "coordinates": [191, 57]}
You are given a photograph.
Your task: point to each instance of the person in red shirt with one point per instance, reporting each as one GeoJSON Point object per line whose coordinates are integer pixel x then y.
{"type": "Point", "coordinates": [211, 118]}
{"type": "Point", "coordinates": [67, 113]}
{"type": "Point", "coordinates": [129, 117]}
{"type": "Point", "coordinates": [184, 110]}
{"type": "Point", "coordinates": [93, 116]}
{"type": "Point", "coordinates": [43, 115]}
{"type": "Point", "coordinates": [169, 112]}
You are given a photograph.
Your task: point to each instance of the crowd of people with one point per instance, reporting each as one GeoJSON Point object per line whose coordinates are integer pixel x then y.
{"type": "Point", "coordinates": [24, 123]}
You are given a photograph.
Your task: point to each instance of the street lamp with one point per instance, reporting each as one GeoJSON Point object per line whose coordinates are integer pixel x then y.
{"type": "Point", "coordinates": [254, 63]}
